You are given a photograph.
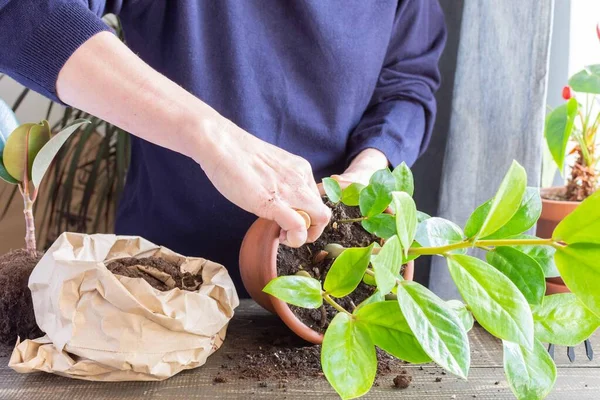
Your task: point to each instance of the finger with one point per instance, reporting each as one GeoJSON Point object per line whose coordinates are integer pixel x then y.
{"type": "Point", "coordinates": [292, 224]}
{"type": "Point", "coordinates": [319, 213]}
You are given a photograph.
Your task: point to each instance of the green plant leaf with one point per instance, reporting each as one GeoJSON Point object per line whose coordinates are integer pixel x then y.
{"type": "Point", "coordinates": [389, 331]}
{"type": "Point", "coordinates": [586, 80]}
{"type": "Point", "coordinates": [463, 313]}
{"type": "Point", "coordinates": [558, 129]}
{"type": "Point", "coordinates": [580, 270]}
{"type": "Point", "coordinates": [495, 301]}
{"type": "Point", "coordinates": [476, 219]}
{"type": "Point", "coordinates": [437, 327]}
{"type": "Point", "coordinates": [543, 255]}
{"type": "Point", "coordinates": [404, 179]}
{"type": "Point", "coordinates": [421, 216]}
{"type": "Point", "coordinates": [387, 264]}
{"type": "Point", "coordinates": [583, 224]}
{"type": "Point", "coordinates": [351, 194]}
{"type": "Point", "coordinates": [377, 196]}
{"type": "Point", "coordinates": [562, 319]}
{"type": "Point", "coordinates": [505, 203]}
{"type": "Point", "coordinates": [348, 357]}
{"type": "Point", "coordinates": [332, 189]}
{"type": "Point", "coordinates": [347, 271]}
{"type": "Point", "coordinates": [300, 291]}
{"type": "Point", "coordinates": [436, 232]}
{"type": "Point", "coordinates": [525, 218]}
{"type": "Point", "coordinates": [48, 152]}
{"type": "Point", "coordinates": [531, 373]}
{"type": "Point", "coordinates": [374, 298]}
{"type": "Point", "coordinates": [23, 144]}
{"type": "Point", "coordinates": [406, 219]}
{"type": "Point", "coordinates": [522, 270]}
{"type": "Point", "coordinates": [380, 225]}
{"type": "Point", "coordinates": [5, 176]}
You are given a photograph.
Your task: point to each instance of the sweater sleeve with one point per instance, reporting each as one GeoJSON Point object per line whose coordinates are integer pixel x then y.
{"type": "Point", "coordinates": [39, 36]}
{"type": "Point", "coordinates": [401, 113]}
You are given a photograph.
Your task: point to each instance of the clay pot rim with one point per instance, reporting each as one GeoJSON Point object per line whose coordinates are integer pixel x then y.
{"type": "Point", "coordinates": [558, 202]}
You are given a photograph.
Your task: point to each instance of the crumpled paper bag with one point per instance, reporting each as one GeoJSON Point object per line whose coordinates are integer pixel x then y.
{"type": "Point", "coordinates": [104, 327]}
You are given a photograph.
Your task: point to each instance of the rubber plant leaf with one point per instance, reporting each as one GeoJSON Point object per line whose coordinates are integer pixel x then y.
{"type": "Point", "coordinates": [22, 146]}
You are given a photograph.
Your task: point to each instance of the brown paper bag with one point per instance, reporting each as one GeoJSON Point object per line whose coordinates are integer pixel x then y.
{"type": "Point", "coordinates": [104, 327]}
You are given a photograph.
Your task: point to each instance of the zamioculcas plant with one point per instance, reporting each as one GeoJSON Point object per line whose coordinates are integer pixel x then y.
{"type": "Point", "coordinates": [26, 152]}
{"type": "Point", "coordinates": [505, 293]}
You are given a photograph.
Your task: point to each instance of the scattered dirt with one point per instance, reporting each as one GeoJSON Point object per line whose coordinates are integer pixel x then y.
{"type": "Point", "coordinates": [403, 380]}
{"type": "Point", "coordinates": [309, 258]}
{"type": "Point", "coordinates": [146, 269]}
{"type": "Point", "coordinates": [278, 355]}
{"type": "Point", "coordinates": [16, 309]}
{"type": "Point", "coordinates": [438, 379]}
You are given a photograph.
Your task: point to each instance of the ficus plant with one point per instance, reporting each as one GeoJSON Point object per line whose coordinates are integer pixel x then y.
{"type": "Point", "coordinates": [578, 121]}
{"type": "Point", "coordinates": [504, 293]}
{"type": "Point", "coordinates": [26, 152]}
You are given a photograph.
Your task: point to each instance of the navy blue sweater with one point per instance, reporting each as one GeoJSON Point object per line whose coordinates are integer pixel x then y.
{"type": "Point", "coordinates": [323, 79]}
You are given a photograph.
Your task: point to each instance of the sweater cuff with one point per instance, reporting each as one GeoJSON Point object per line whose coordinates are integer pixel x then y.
{"type": "Point", "coordinates": [397, 129]}
{"type": "Point", "coordinates": [52, 43]}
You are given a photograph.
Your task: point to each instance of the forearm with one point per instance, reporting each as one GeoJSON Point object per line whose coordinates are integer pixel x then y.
{"type": "Point", "coordinates": [104, 78]}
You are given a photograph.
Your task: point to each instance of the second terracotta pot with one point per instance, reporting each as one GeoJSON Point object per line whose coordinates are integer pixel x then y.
{"type": "Point", "coordinates": [553, 211]}
{"type": "Point", "coordinates": [258, 266]}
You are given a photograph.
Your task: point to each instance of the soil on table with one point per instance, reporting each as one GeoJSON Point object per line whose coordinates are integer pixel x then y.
{"type": "Point", "coordinates": [129, 267]}
{"type": "Point", "coordinates": [278, 356]}
{"type": "Point", "coordinates": [16, 307]}
{"type": "Point", "coordinates": [291, 260]}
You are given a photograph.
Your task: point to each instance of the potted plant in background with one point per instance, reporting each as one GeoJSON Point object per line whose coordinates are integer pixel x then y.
{"type": "Point", "coordinates": [571, 135]}
{"type": "Point", "coordinates": [504, 294]}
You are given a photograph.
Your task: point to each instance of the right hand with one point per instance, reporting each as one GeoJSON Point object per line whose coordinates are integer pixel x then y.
{"type": "Point", "coordinates": [267, 181]}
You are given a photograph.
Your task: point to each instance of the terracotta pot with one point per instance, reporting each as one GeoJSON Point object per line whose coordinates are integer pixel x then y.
{"type": "Point", "coordinates": [258, 266]}
{"type": "Point", "coordinates": [553, 211]}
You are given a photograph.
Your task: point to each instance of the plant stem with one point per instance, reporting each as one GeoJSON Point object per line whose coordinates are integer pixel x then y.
{"type": "Point", "coordinates": [479, 243]}
{"type": "Point", "coordinates": [341, 221]}
{"type": "Point", "coordinates": [333, 304]}
{"type": "Point", "coordinates": [30, 244]}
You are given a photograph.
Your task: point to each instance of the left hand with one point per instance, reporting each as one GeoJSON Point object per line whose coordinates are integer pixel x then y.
{"type": "Point", "coordinates": [365, 164]}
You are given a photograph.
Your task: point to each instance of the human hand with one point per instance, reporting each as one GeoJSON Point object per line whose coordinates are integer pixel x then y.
{"type": "Point", "coordinates": [267, 181]}
{"type": "Point", "coordinates": [365, 164]}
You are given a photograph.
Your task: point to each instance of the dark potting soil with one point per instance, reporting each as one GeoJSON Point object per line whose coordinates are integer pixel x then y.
{"type": "Point", "coordinates": [291, 260]}
{"type": "Point", "coordinates": [182, 280]}
{"type": "Point", "coordinates": [278, 356]}
{"type": "Point", "coordinates": [16, 308]}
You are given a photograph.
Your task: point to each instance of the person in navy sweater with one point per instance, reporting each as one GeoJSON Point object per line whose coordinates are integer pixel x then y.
{"type": "Point", "coordinates": [238, 107]}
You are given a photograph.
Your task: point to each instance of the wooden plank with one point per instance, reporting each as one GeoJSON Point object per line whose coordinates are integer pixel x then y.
{"type": "Point", "coordinates": [578, 380]}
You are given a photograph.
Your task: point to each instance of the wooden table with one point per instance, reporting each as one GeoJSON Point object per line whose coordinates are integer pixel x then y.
{"type": "Point", "coordinates": [579, 380]}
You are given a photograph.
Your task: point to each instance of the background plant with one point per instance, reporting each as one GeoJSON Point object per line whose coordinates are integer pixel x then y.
{"type": "Point", "coordinates": [83, 186]}
{"type": "Point", "coordinates": [505, 293]}
{"type": "Point", "coordinates": [577, 121]}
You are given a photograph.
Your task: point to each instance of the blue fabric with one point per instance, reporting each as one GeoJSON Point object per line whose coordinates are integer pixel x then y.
{"type": "Point", "coordinates": [321, 79]}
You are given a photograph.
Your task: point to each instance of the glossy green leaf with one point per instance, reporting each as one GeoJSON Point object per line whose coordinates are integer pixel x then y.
{"type": "Point", "coordinates": [583, 224]}
{"type": "Point", "coordinates": [506, 202]}
{"type": "Point", "coordinates": [380, 225]}
{"type": "Point", "coordinates": [369, 280]}
{"type": "Point", "coordinates": [543, 255]}
{"type": "Point", "coordinates": [436, 326]}
{"type": "Point", "coordinates": [387, 264]}
{"type": "Point", "coordinates": [494, 300]}
{"type": "Point", "coordinates": [404, 179]}
{"type": "Point", "coordinates": [436, 232]}
{"type": "Point", "coordinates": [332, 189]}
{"type": "Point", "coordinates": [421, 216]}
{"type": "Point", "coordinates": [347, 271]}
{"type": "Point", "coordinates": [390, 331]}
{"type": "Point", "coordinates": [23, 144]}
{"type": "Point", "coordinates": [558, 129]}
{"type": "Point", "coordinates": [562, 319]}
{"type": "Point", "coordinates": [475, 221]}
{"type": "Point", "coordinates": [580, 270]}
{"type": "Point", "coordinates": [522, 270]}
{"type": "Point", "coordinates": [348, 357]}
{"type": "Point", "coordinates": [351, 194]}
{"type": "Point", "coordinates": [406, 219]}
{"type": "Point", "coordinates": [525, 218]}
{"type": "Point", "coordinates": [531, 373]}
{"type": "Point", "coordinates": [463, 313]}
{"type": "Point", "coordinates": [586, 80]}
{"type": "Point", "coordinates": [301, 291]}
{"type": "Point", "coordinates": [48, 152]}
{"type": "Point", "coordinates": [5, 176]}
{"type": "Point", "coordinates": [377, 196]}
{"type": "Point", "coordinates": [377, 296]}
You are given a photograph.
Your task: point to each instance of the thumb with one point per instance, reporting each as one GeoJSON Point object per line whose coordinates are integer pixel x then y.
{"type": "Point", "coordinates": [294, 231]}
